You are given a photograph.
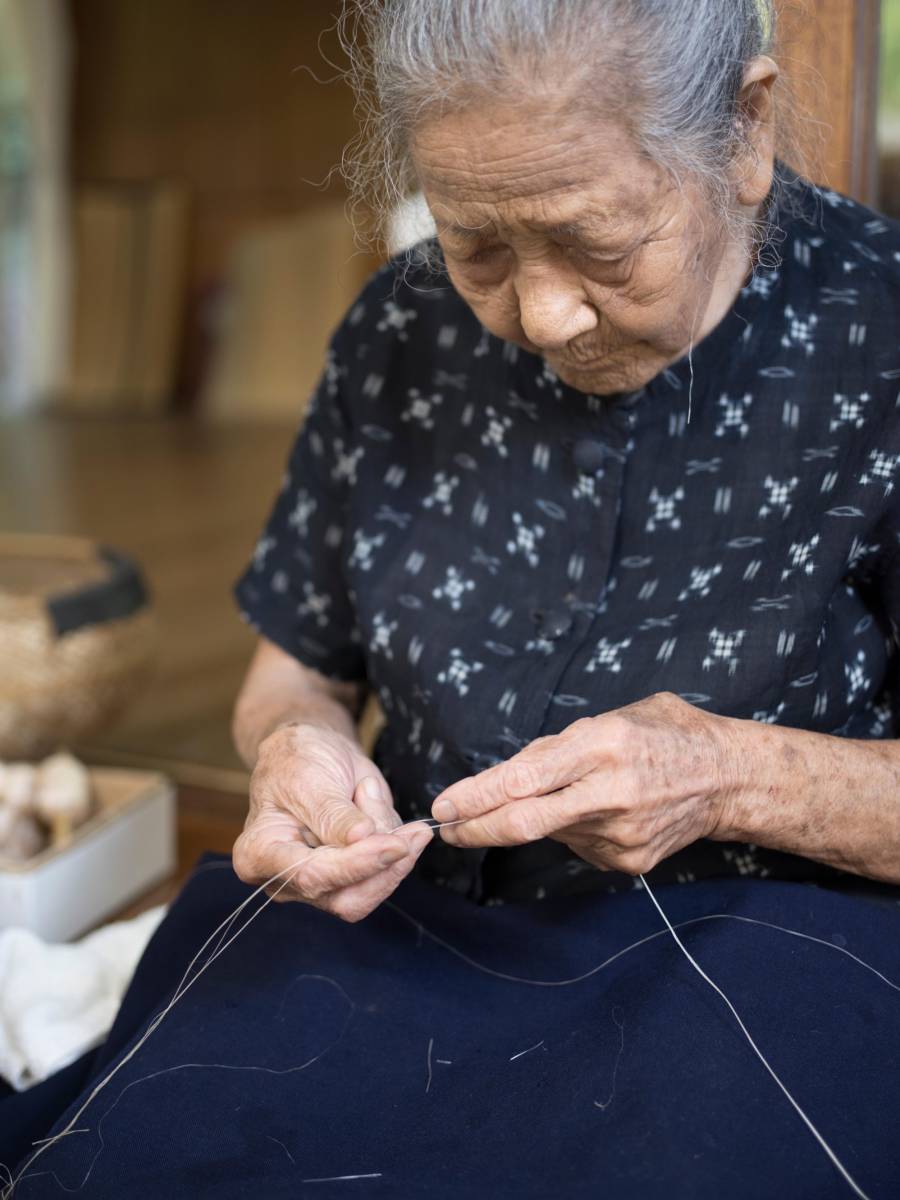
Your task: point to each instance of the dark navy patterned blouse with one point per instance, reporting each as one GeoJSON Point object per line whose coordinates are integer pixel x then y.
{"type": "Point", "coordinates": [497, 554]}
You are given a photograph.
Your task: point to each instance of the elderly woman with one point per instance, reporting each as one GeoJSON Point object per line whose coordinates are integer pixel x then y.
{"type": "Point", "coordinates": [598, 493]}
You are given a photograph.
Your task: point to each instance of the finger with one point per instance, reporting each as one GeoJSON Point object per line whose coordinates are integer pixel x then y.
{"type": "Point", "coordinates": [544, 766]}
{"type": "Point", "coordinates": [373, 797]}
{"type": "Point", "coordinates": [519, 821]}
{"type": "Point", "coordinates": [624, 828]}
{"type": "Point", "coordinates": [267, 832]}
{"type": "Point", "coordinates": [412, 831]}
{"type": "Point", "coordinates": [309, 837]}
{"type": "Point", "coordinates": [314, 873]}
{"type": "Point", "coordinates": [377, 885]}
{"type": "Point", "coordinates": [592, 834]}
{"type": "Point", "coordinates": [336, 820]}
{"type": "Point", "coordinates": [271, 826]}
{"type": "Point", "coordinates": [313, 783]}
{"type": "Point", "coordinates": [358, 901]}
{"type": "Point", "coordinates": [625, 851]}
{"type": "Point", "coordinates": [600, 852]}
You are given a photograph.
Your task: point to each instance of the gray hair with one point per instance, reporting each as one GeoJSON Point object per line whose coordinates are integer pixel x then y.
{"type": "Point", "coordinates": [677, 66]}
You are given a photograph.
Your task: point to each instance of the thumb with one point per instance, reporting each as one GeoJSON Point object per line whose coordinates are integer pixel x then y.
{"type": "Point", "coordinates": [373, 797]}
{"type": "Point", "coordinates": [338, 822]}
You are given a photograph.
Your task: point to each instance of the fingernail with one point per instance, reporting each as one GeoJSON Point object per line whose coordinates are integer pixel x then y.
{"type": "Point", "coordinates": [387, 858]}
{"type": "Point", "coordinates": [370, 788]}
{"type": "Point", "coordinates": [421, 840]}
{"type": "Point", "coordinates": [444, 810]}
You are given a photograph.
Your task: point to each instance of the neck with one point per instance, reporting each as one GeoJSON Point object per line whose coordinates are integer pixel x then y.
{"type": "Point", "coordinates": [734, 269]}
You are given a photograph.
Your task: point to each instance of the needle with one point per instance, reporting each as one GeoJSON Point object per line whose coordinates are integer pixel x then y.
{"type": "Point", "coordinates": [431, 823]}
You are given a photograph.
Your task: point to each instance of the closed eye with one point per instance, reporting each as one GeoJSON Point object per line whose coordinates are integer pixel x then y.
{"type": "Point", "coordinates": [612, 268]}
{"type": "Point", "coordinates": [482, 255]}
{"type": "Point", "coordinates": [610, 258]}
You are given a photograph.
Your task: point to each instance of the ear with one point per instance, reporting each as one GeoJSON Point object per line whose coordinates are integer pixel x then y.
{"type": "Point", "coordinates": [755, 159]}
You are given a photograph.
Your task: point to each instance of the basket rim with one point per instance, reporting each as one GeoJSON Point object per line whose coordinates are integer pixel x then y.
{"type": "Point", "coordinates": [25, 545]}
{"type": "Point", "coordinates": [121, 594]}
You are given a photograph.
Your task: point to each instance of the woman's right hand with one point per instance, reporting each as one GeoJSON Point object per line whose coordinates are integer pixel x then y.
{"type": "Point", "coordinates": [319, 805]}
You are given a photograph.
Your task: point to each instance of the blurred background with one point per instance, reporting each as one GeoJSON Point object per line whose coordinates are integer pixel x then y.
{"type": "Point", "coordinates": [174, 250]}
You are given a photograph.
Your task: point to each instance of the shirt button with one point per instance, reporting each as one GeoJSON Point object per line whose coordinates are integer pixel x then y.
{"type": "Point", "coordinates": [555, 624]}
{"type": "Point", "coordinates": [589, 455]}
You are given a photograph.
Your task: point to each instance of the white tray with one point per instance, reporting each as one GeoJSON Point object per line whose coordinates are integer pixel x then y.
{"type": "Point", "coordinates": [122, 851]}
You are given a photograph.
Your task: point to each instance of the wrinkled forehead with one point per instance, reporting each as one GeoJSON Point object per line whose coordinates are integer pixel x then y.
{"type": "Point", "coordinates": [522, 164]}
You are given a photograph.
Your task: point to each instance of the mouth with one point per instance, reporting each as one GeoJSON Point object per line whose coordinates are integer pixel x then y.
{"type": "Point", "coordinates": [579, 367]}
{"type": "Point", "coordinates": [612, 357]}
{"type": "Point", "coordinates": [587, 357]}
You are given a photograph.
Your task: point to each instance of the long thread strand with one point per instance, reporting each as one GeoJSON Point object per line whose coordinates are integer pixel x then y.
{"type": "Point", "coordinates": [226, 938]}
{"type": "Point", "coordinates": [756, 1050]}
{"type": "Point", "coordinates": [180, 991]}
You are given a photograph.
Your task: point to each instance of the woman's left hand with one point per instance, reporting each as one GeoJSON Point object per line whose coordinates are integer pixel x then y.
{"type": "Point", "coordinates": [623, 790]}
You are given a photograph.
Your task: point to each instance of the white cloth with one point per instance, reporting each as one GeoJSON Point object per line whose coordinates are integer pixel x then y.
{"type": "Point", "coordinates": [57, 1001]}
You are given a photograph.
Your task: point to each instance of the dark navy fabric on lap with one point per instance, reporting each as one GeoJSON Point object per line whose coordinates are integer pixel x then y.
{"type": "Point", "coordinates": [328, 1050]}
{"type": "Point", "coordinates": [26, 1116]}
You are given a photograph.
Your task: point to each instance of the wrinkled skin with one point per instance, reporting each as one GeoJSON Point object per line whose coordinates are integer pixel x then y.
{"type": "Point", "coordinates": [563, 238]}
{"type": "Point", "coordinates": [318, 804]}
{"type": "Point", "coordinates": [566, 240]}
{"type": "Point", "coordinates": [622, 790]}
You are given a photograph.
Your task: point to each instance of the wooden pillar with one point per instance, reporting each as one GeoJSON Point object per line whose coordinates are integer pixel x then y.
{"type": "Point", "coordinates": [828, 50]}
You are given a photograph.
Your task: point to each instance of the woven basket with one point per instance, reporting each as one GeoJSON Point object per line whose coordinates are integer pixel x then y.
{"type": "Point", "coordinates": [76, 641]}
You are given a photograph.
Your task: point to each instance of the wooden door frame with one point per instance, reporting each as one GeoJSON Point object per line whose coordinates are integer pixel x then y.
{"type": "Point", "coordinates": [830, 53]}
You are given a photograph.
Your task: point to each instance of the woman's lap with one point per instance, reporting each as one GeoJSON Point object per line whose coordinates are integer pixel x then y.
{"type": "Point", "coordinates": [312, 1050]}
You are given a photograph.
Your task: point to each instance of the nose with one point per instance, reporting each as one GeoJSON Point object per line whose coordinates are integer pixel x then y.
{"type": "Point", "coordinates": [553, 310]}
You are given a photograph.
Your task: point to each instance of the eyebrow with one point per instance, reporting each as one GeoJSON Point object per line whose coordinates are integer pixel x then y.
{"type": "Point", "coordinates": [572, 229]}
{"type": "Point", "coordinates": [597, 227]}
{"type": "Point", "coordinates": [563, 229]}
{"type": "Point", "coordinates": [466, 232]}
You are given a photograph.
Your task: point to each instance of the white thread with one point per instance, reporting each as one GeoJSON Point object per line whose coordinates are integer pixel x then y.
{"type": "Point", "coordinates": [188, 1067]}
{"type": "Point", "coordinates": [619, 1021]}
{"type": "Point", "coordinates": [180, 991]}
{"type": "Point", "coordinates": [341, 1178]}
{"type": "Point", "coordinates": [421, 931]}
{"type": "Point", "coordinates": [694, 323]}
{"type": "Point", "coordinates": [432, 823]}
{"type": "Point", "coordinates": [430, 1048]}
{"type": "Point", "coordinates": [439, 941]}
{"type": "Point", "coordinates": [759, 1054]}
{"type": "Point", "coordinates": [198, 1066]}
{"type": "Point", "coordinates": [536, 1046]}
{"type": "Point", "coordinates": [221, 946]}
{"type": "Point", "coordinates": [222, 931]}
{"type": "Point", "coordinates": [283, 1146]}
{"type": "Point", "coordinates": [40, 1141]}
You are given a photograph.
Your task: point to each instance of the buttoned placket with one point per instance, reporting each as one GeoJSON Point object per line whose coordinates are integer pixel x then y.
{"type": "Point", "coordinates": [598, 453]}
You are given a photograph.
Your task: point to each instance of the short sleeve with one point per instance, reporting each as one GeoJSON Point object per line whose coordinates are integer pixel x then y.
{"type": "Point", "coordinates": [875, 561]}
{"type": "Point", "coordinates": [889, 558]}
{"type": "Point", "coordinates": [294, 590]}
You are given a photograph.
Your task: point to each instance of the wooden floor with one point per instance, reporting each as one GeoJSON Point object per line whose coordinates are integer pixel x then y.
{"type": "Point", "coordinates": [207, 820]}
{"type": "Point", "coordinates": [187, 501]}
